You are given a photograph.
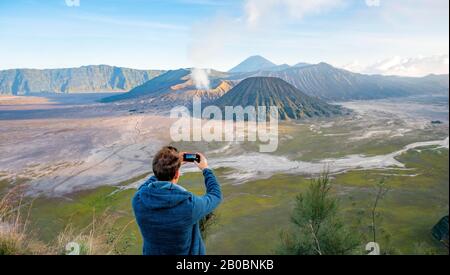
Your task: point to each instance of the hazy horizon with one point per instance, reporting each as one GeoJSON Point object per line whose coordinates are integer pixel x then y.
{"type": "Point", "coordinates": [206, 68]}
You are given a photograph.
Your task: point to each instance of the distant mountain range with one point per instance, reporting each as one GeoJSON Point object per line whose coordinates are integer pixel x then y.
{"type": "Point", "coordinates": [259, 63]}
{"type": "Point", "coordinates": [271, 91]}
{"type": "Point", "coordinates": [177, 86]}
{"type": "Point", "coordinates": [100, 78]}
{"type": "Point", "coordinates": [327, 82]}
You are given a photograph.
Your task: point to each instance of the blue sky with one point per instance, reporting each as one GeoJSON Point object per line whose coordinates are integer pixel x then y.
{"type": "Point", "coordinates": [168, 34]}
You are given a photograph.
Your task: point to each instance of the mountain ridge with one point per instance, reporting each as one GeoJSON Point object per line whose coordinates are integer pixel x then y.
{"type": "Point", "coordinates": [90, 78]}
{"type": "Point", "coordinates": [176, 87]}
{"type": "Point", "coordinates": [259, 63]}
{"type": "Point", "coordinates": [334, 84]}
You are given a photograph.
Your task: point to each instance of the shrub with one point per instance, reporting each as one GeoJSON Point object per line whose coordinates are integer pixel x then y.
{"type": "Point", "coordinates": [318, 228]}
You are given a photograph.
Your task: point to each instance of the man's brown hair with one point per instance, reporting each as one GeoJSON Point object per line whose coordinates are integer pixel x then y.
{"type": "Point", "coordinates": [166, 163]}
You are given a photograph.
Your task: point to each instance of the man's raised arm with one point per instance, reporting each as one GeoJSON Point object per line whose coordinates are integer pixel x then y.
{"type": "Point", "coordinates": [203, 205]}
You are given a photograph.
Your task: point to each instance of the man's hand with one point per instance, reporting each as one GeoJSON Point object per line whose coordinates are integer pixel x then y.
{"type": "Point", "coordinates": [182, 158]}
{"type": "Point", "coordinates": [203, 164]}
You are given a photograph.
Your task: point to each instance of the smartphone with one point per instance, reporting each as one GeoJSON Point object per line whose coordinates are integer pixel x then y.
{"type": "Point", "coordinates": [190, 157]}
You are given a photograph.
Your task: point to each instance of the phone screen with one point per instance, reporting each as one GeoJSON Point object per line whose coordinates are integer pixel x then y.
{"type": "Point", "coordinates": [190, 157]}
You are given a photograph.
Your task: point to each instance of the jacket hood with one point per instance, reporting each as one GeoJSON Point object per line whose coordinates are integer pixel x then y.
{"type": "Point", "coordinates": [156, 194]}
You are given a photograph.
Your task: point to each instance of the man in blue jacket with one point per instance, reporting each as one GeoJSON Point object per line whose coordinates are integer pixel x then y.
{"type": "Point", "coordinates": [167, 214]}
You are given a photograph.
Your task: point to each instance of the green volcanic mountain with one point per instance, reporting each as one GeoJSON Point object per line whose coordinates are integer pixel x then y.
{"type": "Point", "coordinates": [271, 91]}
{"type": "Point", "coordinates": [100, 78]}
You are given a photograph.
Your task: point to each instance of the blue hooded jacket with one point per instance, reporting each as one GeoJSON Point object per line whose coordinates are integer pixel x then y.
{"type": "Point", "coordinates": [168, 215]}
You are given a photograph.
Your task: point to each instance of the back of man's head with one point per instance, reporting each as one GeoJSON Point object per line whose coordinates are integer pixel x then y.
{"type": "Point", "coordinates": [166, 163]}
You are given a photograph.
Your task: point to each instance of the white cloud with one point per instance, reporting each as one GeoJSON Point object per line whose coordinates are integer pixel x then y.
{"type": "Point", "coordinates": [416, 66]}
{"type": "Point", "coordinates": [373, 3]}
{"type": "Point", "coordinates": [258, 11]}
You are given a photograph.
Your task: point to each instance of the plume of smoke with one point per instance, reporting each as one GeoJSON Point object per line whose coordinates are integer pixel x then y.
{"type": "Point", "coordinates": [208, 41]}
{"type": "Point", "coordinates": [201, 78]}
